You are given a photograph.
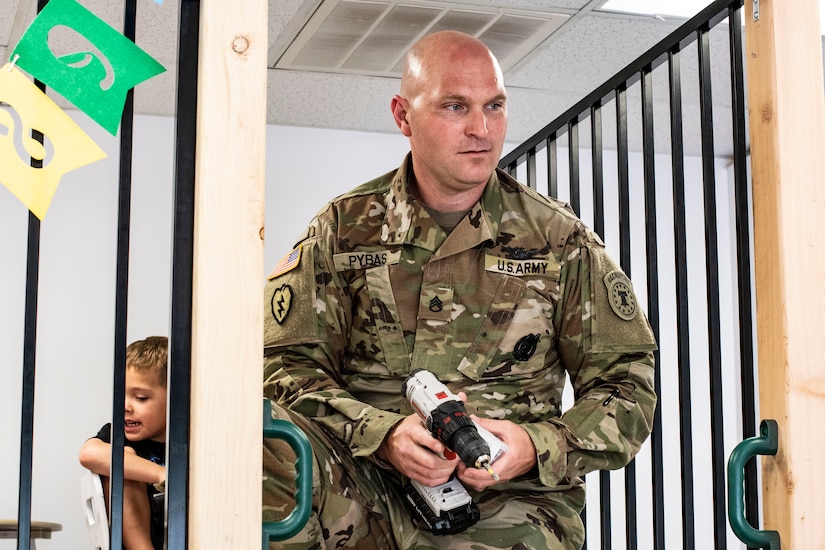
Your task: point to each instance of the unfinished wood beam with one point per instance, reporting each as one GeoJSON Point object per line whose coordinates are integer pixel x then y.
{"type": "Point", "coordinates": [227, 335]}
{"type": "Point", "coordinates": [787, 125]}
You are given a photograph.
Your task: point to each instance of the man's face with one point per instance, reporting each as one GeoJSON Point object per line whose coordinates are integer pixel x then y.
{"type": "Point", "coordinates": [457, 121]}
{"type": "Point", "coordinates": [145, 406]}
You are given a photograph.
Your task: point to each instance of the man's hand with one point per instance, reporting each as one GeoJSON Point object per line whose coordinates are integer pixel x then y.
{"type": "Point", "coordinates": [517, 460]}
{"type": "Point", "coordinates": [415, 453]}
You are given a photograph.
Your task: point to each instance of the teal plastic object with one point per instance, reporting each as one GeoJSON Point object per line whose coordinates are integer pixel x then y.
{"type": "Point", "coordinates": [297, 439]}
{"type": "Point", "coordinates": [765, 444]}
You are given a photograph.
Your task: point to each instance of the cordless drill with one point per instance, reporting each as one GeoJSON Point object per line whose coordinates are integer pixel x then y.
{"type": "Point", "coordinates": [448, 508]}
{"type": "Point", "coordinates": [447, 420]}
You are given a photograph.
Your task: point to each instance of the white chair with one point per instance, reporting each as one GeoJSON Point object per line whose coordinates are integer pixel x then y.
{"type": "Point", "coordinates": [94, 507]}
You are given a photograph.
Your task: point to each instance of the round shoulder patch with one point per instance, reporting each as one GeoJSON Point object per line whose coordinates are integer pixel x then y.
{"type": "Point", "coordinates": [620, 294]}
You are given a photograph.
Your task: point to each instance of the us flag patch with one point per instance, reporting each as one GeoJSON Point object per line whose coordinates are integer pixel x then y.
{"type": "Point", "coordinates": [287, 263]}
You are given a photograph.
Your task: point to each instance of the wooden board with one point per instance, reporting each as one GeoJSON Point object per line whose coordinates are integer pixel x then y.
{"type": "Point", "coordinates": [787, 125]}
{"type": "Point", "coordinates": [227, 340]}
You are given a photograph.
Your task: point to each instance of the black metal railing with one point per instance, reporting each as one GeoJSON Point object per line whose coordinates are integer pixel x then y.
{"type": "Point", "coordinates": [632, 224]}
{"type": "Point", "coordinates": [180, 337]}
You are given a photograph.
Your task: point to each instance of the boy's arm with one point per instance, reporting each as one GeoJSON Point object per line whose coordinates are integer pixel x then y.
{"type": "Point", "coordinates": [96, 455]}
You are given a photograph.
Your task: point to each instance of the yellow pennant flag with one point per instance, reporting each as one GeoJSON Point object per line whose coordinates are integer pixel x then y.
{"type": "Point", "coordinates": [65, 147]}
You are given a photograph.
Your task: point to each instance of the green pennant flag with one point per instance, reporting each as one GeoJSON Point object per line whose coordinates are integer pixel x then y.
{"type": "Point", "coordinates": [81, 57]}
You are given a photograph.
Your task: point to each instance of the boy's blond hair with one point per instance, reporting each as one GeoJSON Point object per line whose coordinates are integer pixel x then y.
{"type": "Point", "coordinates": [149, 355]}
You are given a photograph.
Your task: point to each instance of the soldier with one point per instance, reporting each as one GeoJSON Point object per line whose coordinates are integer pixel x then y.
{"type": "Point", "coordinates": [450, 265]}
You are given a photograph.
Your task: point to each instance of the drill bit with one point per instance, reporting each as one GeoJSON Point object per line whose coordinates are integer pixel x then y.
{"type": "Point", "coordinates": [485, 464]}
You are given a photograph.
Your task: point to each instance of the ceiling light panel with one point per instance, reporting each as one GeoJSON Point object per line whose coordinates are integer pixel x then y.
{"type": "Point", "coordinates": [371, 37]}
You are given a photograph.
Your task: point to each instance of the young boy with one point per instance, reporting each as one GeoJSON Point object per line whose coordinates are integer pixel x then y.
{"type": "Point", "coordinates": [145, 446]}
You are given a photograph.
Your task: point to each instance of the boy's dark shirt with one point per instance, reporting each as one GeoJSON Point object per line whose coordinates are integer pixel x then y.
{"type": "Point", "coordinates": [152, 451]}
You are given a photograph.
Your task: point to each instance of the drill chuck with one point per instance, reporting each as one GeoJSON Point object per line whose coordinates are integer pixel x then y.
{"type": "Point", "coordinates": [450, 424]}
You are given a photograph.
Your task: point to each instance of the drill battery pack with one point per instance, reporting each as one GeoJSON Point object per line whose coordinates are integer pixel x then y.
{"type": "Point", "coordinates": [445, 509]}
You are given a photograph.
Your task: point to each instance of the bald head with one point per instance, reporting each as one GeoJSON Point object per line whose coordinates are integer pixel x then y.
{"type": "Point", "coordinates": [438, 52]}
{"type": "Point", "coordinates": [453, 109]}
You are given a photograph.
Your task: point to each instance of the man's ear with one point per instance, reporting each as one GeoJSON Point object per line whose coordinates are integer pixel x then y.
{"type": "Point", "coordinates": [400, 113]}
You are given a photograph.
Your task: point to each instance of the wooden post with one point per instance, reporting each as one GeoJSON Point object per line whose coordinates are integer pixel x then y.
{"type": "Point", "coordinates": [227, 335]}
{"type": "Point", "coordinates": [787, 125]}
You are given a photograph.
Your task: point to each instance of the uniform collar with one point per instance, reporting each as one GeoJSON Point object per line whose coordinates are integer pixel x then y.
{"type": "Point", "coordinates": [407, 221]}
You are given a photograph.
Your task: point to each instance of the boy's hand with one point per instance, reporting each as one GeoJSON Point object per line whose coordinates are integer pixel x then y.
{"type": "Point", "coordinates": [161, 485]}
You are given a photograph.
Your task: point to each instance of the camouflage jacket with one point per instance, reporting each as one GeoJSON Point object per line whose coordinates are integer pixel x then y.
{"type": "Point", "coordinates": [518, 295]}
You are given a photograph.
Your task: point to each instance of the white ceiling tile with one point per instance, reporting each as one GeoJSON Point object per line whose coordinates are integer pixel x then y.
{"type": "Point", "coordinates": [379, 33]}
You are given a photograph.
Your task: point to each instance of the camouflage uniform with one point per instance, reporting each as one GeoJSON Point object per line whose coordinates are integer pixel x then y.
{"type": "Point", "coordinates": [519, 294]}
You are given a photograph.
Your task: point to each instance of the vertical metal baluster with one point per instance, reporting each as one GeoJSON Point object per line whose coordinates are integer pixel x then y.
{"type": "Point", "coordinates": [598, 227]}
{"type": "Point", "coordinates": [180, 348]}
{"type": "Point", "coordinates": [739, 114]}
{"type": "Point", "coordinates": [573, 156]}
{"type": "Point", "coordinates": [597, 152]}
{"type": "Point", "coordinates": [531, 168]}
{"type": "Point", "coordinates": [712, 274]}
{"type": "Point", "coordinates": [682, 310]}
{"type": "Point", "coordinates": [622, 153]}
{"type": "Point", "coordinates": [651, 239]}
{"type": "Point", "coordinates": [121, 300]}
{"type": "Point", "coordinates": [552, 167]}
{"type": "Point", "coordinates": [24, 495]}
{"type": "Point", "coordinates": [24, 491]}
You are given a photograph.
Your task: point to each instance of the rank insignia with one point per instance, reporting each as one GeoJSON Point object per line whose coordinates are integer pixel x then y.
{"type": "Point", "coordinates": [620, 295]}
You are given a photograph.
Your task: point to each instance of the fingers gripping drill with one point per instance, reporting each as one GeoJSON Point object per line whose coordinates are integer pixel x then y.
{"type": "Point", "coordinates": [447, 420]}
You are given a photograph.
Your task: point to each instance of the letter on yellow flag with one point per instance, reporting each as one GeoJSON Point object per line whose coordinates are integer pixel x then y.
{"type": "Point", "coordinates": [65, 147]}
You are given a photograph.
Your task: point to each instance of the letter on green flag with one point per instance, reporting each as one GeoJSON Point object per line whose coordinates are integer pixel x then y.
{"type": "Point", "coordinates": [65, 147]}
{"type": "Point", "coordinates": [96, 65]}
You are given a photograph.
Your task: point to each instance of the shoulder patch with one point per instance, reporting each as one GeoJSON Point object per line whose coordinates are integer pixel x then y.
{"type": "Point", "coordinates": [287, 263]}
{"type": "Point", "coordinates": [620, 294]}
{"type": "Point", "coordinates": [281, 303]}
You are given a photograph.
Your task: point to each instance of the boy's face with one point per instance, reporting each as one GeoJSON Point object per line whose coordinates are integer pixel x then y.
{"type": "Point", "coordinates": [145, 411]}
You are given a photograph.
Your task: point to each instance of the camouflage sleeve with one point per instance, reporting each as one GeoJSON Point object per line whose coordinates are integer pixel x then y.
{"type": "Point", "coordinates": [306, 320]}
{"type": "Point", "coordinates": [606, 345]}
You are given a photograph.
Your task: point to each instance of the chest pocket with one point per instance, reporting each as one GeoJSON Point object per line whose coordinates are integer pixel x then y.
{"type": "Point", "coordinates": [376, 339]}
{"type": "Point", "coordinates": [387, 320]}
{"type": "Point", "coordinates": [516, 335]}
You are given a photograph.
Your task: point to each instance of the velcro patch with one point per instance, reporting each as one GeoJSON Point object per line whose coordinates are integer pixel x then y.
{"type": "Point", "coordinates": [520, 268]}
{"type": "Point", "coordinates": [620, 295]}
{"type": "Point", "coordinates": [287, 263]}
{"type": "Point", "coordinates": [281, 303]}
{"type": "Point", "coordinates": [365, 260]}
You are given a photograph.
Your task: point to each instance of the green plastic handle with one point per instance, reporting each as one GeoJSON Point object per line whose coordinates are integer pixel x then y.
{"type": "Point", "coordinates": [766, 444]}
{"type": "Point", "coordinates": [297, 439]}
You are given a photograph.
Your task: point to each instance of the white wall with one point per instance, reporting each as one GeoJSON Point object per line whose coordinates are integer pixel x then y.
{"type": "Point", "coordinates": [306, 167]}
